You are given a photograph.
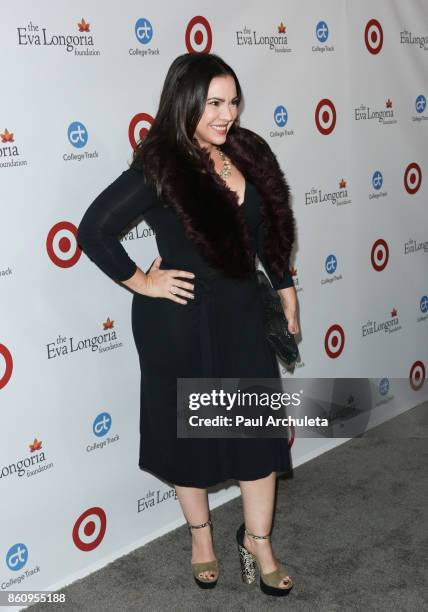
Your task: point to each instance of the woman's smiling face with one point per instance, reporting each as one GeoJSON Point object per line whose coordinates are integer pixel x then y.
{"type": "Point", "coordinates": [221, 110]}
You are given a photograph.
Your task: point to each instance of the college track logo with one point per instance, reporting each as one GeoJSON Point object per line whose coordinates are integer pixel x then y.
{"type": "Point", "coordinates": [322, 34]}
{"type": "Point", "coordinates": [144, 34]}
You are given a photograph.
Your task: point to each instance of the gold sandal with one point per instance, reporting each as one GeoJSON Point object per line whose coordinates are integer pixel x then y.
{"type": "Point", "coordinates": [249, 562]}
{"type": "Point", "coordinates": [199, 568]}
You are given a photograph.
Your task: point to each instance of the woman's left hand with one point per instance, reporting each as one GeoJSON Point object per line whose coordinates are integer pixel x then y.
{"type": "Point", "coordinates": [291, 316]}
{"type": "Point", "coordinates": [289, 304]}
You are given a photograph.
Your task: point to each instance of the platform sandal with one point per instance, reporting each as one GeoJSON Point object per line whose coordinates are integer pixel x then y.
{"type": "Point", "coordinates": [249, 562]}
{"type": "Point", "coordinates": [199, 568]}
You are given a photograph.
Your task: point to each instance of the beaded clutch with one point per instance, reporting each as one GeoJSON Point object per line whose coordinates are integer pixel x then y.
{"type": "Point", "coordinates": [276, 324]}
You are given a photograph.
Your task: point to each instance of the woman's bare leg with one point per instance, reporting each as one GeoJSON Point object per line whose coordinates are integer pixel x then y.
{"type": "Point", "coordinates": [258, 498]}
{"type": "Point", "coordinates": [194, 504]}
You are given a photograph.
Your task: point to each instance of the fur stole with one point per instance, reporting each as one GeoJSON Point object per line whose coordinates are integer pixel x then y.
{"type": "Point", "coordinates": [215, 222]}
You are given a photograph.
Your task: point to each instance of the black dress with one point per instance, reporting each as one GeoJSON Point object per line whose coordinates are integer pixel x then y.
{"type": "Point", "coordinates": [218, 334]}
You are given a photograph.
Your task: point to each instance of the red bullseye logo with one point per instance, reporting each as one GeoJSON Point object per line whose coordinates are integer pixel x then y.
{"type": "Point", "coordinates": [198, 37]}
{"type": "Point", "coordinates": [138, 128]}
{"type": "Point", "coordinates": [325, 116]}
{"type": "Point", "coordinates": [89, 529]}
{"type": "Point", "coordinates": [412, 178]}
{"type": "Point", "coordinates": [417, 375]}
{"type": "Point", "coordinates": [373, 36]}
{"type": "Point", "coordinates": [334, 341]}
{"type": "Point", "coordinates": [6, 365]}
{"type": "Point", "coordinates": [379, 255]}
{"type": "Point", "coordinates": [61, 244]}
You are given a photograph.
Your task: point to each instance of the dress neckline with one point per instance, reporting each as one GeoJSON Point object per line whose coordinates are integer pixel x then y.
{"type": "Point", "coordinates": [245, 194]}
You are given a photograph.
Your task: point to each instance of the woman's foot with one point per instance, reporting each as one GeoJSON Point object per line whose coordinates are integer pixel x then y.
{"type": "Point", "coordinates": [262, 549]}
{"type": "Point", "coordinates": [202, 550]}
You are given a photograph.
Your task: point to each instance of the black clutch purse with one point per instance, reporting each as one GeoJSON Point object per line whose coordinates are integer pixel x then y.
{"type": "Point", "coordinates": [276, 325]}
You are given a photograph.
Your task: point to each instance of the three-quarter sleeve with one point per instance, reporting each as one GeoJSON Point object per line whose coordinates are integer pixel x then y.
{"type": "Point", "coordinates": [277, 282]}
{"type": "Point", "coordinates": [115, 208]}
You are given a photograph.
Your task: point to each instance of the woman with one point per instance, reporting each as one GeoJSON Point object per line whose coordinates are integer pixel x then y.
{"type": "Point", "coordinates": [215, 196]}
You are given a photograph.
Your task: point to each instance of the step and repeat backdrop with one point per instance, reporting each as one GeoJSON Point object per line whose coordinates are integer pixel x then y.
{"type": "Point", "coordinates": [340, 95]}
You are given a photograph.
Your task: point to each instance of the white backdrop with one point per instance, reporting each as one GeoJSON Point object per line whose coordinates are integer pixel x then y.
{"type": "Point", "coordinates": [339, 94]}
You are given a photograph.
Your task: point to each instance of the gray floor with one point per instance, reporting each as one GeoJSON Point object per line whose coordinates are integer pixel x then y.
{"type": "Point", "coordinates": [351, 526]}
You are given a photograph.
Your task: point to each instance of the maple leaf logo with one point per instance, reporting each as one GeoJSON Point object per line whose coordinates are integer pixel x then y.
{"type": "Point", "coordinates": [281, 28]}
{"type": "Point", "coordinates": [342, 184]}
{"type": "Point", "coordinates": [108, 324]}
{"type": "Point", "coordinates": [36, 445]}
{"type": "Point", "coordinates": [388, 103]}
{"type": "Point", "coordinates": [83, 26]}
{"type": "Point", "coordinates": [394, 312]}
{"type": "Point", "coordinates": [7, 136]}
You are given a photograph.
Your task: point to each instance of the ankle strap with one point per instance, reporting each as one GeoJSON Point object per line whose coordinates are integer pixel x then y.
{"type": "Point", "coordinates": [199, 526]}
{"type": "Point", "coordinates": [257, 537]}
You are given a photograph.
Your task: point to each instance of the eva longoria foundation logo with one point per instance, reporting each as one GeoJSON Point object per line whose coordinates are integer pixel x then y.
{"type": "Point", "coordinates": [337, 198]}
{"type": "Point", "coordinates": [407, 38]}
{"type": "Point", "coordinates": [385, 116]}
{"type": "Point", "coordinates": [414, 246]}
{"type": "Point", "coordinates": [9, 152]}
{"type": "Point", "coordinates": [36, 460]}
{"type": "Point", "coordinates": [139, 231]}
{"type": "Point", "coordinates": [388, 326]}
{"type": "Point", "coordinates": [82, 43]}
{"type": "Point", "coordinates": [100, 343]}
{"type": "Point", "coordinates": [153, 498]}
{"type": "Point", "coordinates": [275, 42]}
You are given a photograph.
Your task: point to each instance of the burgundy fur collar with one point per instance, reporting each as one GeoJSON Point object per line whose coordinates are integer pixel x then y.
{"type": "Point", "coordinates": [215, 222]}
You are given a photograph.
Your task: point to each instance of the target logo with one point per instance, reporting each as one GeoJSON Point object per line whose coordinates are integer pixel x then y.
{"type": "Point", "coordinates": [373, 36]}
{"type": "Point", "coordinates": [334, 341]}
{"type": "Point", "coordinates": [138, 128]}
{"type": "Point", "coordinates": [198, 36]}
{"type": "Point", "coordinates": [325, 116]}
{"type": "Point", "coordinates": [417, 375]}
{"type": "Point", "coordinates": [6, 365]}
{"type": "Point", "coordinates": [379, 255]}
{"type": "Point", "coordinates": [61, 244]}
{"type": "Point", "coordinates": [412, 178]}
{"type": "Point", "coordinates": [90, 528]}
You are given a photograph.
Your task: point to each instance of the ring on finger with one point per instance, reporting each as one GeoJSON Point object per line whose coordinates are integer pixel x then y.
{"type": "Point", "coordinates": [172, 289]}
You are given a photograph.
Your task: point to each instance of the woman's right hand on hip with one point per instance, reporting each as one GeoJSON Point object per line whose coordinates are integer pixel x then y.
{"type": "Point", "coordinates": [164, 283]}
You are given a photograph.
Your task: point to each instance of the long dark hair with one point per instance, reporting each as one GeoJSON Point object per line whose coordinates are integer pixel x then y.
{"type": "Point", "coordinates": [182, 103]}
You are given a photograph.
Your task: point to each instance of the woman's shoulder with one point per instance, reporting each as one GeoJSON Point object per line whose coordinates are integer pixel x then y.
{"type": "Point", "coordinates": [250, 141]}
